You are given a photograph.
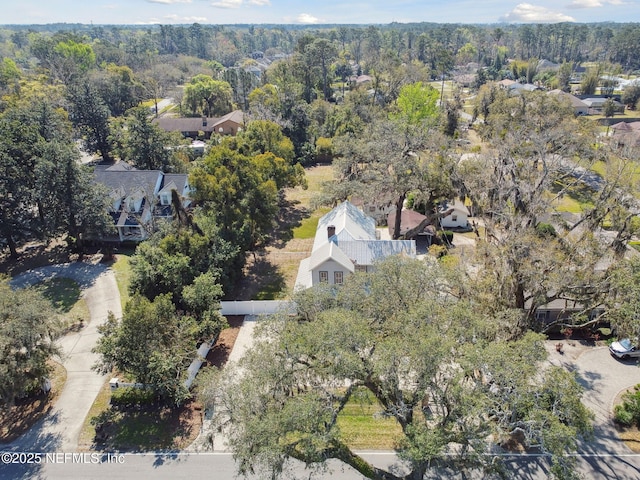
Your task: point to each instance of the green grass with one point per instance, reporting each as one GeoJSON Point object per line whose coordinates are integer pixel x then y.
{"type": "Point", "coordinates": [122, 269]}
{"type": "Point", "coordinates": [66, 296]}
{"type": "Point", "coordinates": [361, 427]}
{"type": "Point", "coordinates": [63, 293]}
{"type": "Point", "coordinates": [635, 244]}
{"type": "Point", "coordinates": [307, 228]}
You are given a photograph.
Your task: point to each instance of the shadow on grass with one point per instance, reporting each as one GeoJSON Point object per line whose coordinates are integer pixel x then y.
{"type": "Point", "coordinates": [262, 280]}
{"type": "Point", "coordinates": [63, 293]}
{"type": "Point", "coordinates": [149, 427]}
{"type": "Point", "coordinates": [290, 216]}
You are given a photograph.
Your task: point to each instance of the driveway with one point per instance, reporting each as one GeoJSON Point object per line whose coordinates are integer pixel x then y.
{"type": "Point", "coordinates": [59, 430]}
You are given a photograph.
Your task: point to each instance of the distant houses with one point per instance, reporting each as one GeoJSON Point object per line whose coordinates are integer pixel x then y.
{"type": "Point", "coordinates": [203, 127]}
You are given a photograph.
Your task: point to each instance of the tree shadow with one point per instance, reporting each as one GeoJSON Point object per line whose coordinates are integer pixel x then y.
{"type": "Point", "coordinates": [262, 280]}
{"type": "Point", "coordinates": [290, 216]}
{"type": "Point", "coordinates": [141, 428]}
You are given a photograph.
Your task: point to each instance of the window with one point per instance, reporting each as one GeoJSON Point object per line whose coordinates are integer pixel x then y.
{"type": "Point", "coordinates": [454, 218]}
{"type": "Point", "coordinates": [131, 205]}
{"type": "Point", "coordinates": [338, 277]}
{"type": "Point", "coordinates": [361, 268]}
{"type": "Point", "coordinates": [324, 276]}
{"type": "Point", "coordinates": [542, 315]}
{"type": "Point", "coordinates": [164, 199]}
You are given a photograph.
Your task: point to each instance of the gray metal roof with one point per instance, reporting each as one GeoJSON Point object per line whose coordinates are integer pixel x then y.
{"type": "Point", "coordinates": [367, 252]}
{"type": "Point", "coordinates": [349, 222]}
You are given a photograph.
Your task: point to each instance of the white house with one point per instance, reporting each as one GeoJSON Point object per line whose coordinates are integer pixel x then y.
{"type": "Point", "coordinates": [140, 196]}
{"type": "Point", "coordinates": [346, 241]}
{"type": "Point", "coordinates": [458, 218]}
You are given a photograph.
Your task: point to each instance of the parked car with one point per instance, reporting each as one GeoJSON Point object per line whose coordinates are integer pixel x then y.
{"type": "Point", "coordinates": [624, 349]}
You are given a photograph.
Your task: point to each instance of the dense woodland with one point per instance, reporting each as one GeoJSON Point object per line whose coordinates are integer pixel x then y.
{"type": "Point", "coordinates": [396, 140]}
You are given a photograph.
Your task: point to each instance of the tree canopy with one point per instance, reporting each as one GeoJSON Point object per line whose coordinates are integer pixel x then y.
{"type": "Point", "coordinates": [28, 327]}
{"type": "Point", "coordinates": [442, 370]}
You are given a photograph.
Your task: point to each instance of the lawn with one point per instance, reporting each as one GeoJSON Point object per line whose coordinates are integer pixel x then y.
{"type": "Point", "coordinates": [308, 227]}
{"type": "Point", "coordinates": [122, 270]}
{"type": "Point", "coordinates": [362, 428]}
{"type": "Point", "coordinates": [66, 297]}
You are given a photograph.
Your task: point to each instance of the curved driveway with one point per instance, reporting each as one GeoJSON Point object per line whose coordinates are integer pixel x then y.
{"type": "Point", "coordinates": [59, 430]}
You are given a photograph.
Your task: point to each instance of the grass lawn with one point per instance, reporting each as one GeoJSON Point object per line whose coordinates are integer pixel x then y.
{"type": "Point", "coordinates": [65, 296]}
{"type": "Point", "coordinates": [309, 225]}
{"type": "Point", "coordinates": [144, 429]}
{"type": "Point", "coordinates": [361, 428]}
{"type": "Point", "coordinates": [122, 270]}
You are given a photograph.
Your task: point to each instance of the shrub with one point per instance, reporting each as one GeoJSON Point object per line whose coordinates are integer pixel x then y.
{"type": "Point", "coordinates": [628, 412]}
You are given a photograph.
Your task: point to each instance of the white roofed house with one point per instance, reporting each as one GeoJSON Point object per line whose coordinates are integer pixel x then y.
{"type": "Point", "coordinates": [346, 241]}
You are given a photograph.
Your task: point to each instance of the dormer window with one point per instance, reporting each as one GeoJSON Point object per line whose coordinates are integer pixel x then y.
{"type": "Point", "coordinates": [164, 199]}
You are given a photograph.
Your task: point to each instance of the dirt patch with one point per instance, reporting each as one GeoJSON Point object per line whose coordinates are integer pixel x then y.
{"type": "Point", "coordinates": [28, 411]}
{"type": "Point", "coordinates": [220, 352]}
{"type": "Point", "coordinates": [40, 254]}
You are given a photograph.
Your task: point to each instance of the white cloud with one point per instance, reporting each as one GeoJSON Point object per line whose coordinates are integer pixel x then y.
{"type": "Point", "coordinates": [227, 4]}
{"type": "Point", "coordinates": [169, 2]}
{"type": "Point", "coordinates": [306, 18]}
{"type": "Point", "coordinates": [178, 19]}
{"type": "Point", "coordinates": [239, 3]}
{"type": "Point", "coordinates": [593, 3]}
{"type": "Point", "coordinates": [527, 13]}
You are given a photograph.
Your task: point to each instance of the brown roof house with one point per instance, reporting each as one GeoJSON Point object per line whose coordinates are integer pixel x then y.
{"type": "Point", "coordinates": [194, 127]}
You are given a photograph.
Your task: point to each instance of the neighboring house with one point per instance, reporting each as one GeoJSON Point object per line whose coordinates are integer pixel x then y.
{"type": "Point", "coordinates": [378, 212]}
{"type": "Point", "coordinates": [596, 104]}
{"type": "Point", "coordinates": [193, 127]}
{"type": "Point", "coordinates": [559, 310]}
{"type": "Point", "coordinates": [346, 241]}
{"type": "Point", "coordinates": [458, 218]}
{"type": "Point", "coordinates": [409, 220]}
{"type": "Point", "coordinates": [579, 107]}
{"type": "Point", "coordinates": [138, 197]}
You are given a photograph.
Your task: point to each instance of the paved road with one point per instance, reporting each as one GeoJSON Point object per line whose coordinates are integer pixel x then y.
{"type": "Point", "coordinates": [59, 431]}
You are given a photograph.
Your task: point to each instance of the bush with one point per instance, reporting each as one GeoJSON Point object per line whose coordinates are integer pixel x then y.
{"type": "Point", "coordinates": [447, 237]}
{"type": "Point", "coordinates": [628, 412]}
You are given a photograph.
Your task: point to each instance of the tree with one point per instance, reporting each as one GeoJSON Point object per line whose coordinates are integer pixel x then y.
{"type": "Point", "coordinates": [146, 145]}
{"type": "Point", "coordinates": [231, 189]}
{"type": "Point", "coordinates": [623, 308]}
{"type": "Point", "coordinates": [590, 82]}
{"type": "Point", "coordinates": [630, 96]}
{"type": "Point", "coordinates": [90, 116]}
{"type": "Point", "coordinates": [416, 104]}
{"type": "Point", "coordinates": [442, 371]}
{"type": "Point", "coordinates": [540, 153]}
{"type": "Point", "coordinates": [28, 327]}
{"type": "Point", "coordinates": [45, 192]}
{"type": "Point", "coordinates": [152, 343]}
{"type": "Point", "coordinates": [387, 161]}
{"type": "Point", "coordinates": [205, 96]}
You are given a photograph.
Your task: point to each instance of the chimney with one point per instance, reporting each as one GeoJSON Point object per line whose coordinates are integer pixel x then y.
{"type": "Point", "coordinates": [204, 121]}
{"type": "Point", "coordinates": [331, 231]}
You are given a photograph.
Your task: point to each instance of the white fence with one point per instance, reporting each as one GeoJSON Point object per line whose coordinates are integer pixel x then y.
{"type": "Point", "coordinates": [257, 307]}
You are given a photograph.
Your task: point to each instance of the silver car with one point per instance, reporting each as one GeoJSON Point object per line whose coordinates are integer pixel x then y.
{"type": "Point", "coordinates": [624, 349]}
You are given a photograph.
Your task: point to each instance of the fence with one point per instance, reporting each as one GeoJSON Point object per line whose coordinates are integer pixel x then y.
{"type": "Point", "coordinates": [257, 307]}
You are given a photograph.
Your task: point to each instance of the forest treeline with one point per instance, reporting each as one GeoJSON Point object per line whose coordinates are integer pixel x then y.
{"type": "Point", "coordinates": [228, 44]}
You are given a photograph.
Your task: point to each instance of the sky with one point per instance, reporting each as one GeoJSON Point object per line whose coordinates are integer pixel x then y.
{"type": "Point", "coordinates": [167, 12]}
